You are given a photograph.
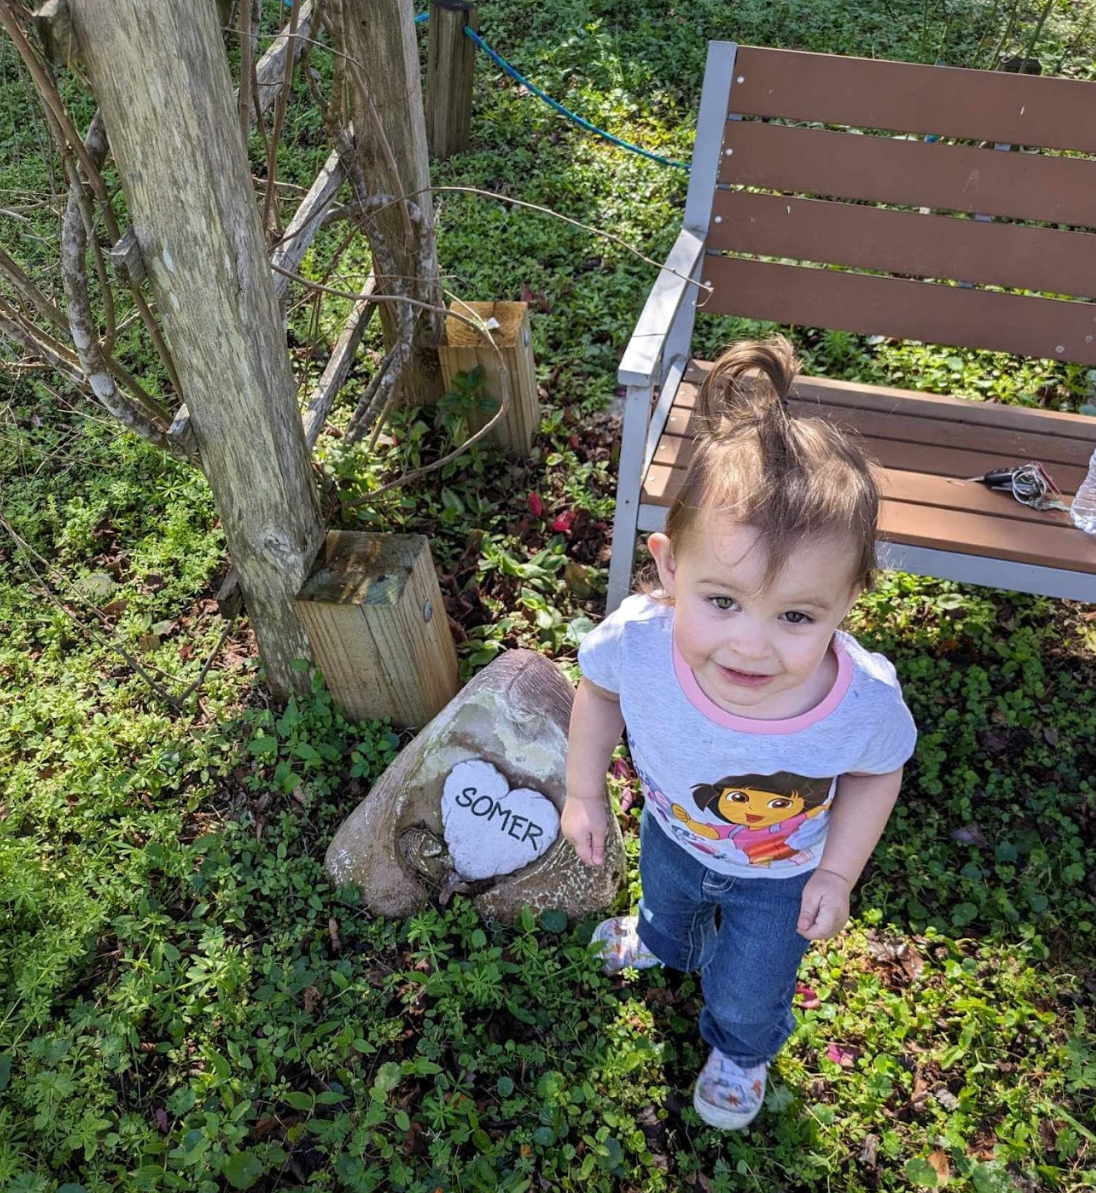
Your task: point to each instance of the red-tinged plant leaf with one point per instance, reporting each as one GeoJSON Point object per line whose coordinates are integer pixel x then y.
{"type": "Point", "coordinates": [620, 769]}
{"type": "Point", "coordinates": [161, 1120]}
{"type": "Point", "coordinates": [969, 834]}
{"type": "Point", "coordinates": [536, 506]}
{"type": "Point", "coordinates": [808, 997]}
{"type": "Point", "coordinates": [563, 522]}
{"type": "Point", "coordinates": [845, 1057]}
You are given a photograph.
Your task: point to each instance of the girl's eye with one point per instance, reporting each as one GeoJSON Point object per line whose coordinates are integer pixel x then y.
{"type": "Point", "coordinates": [739, 797]}
{"type": "Point", "coordinates": [795, 618]}
{"type": "Point", "coordinates": [723, 603]}
{"type": "Point", "coordinates": [780, 803]}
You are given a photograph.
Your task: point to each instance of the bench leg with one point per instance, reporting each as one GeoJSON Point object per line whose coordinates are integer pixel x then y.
{"type": "Point", "coordinates": [633, 436]}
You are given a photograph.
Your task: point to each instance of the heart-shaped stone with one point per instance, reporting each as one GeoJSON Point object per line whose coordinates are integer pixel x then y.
{"type": "Point", "coordinates": [491, 829]}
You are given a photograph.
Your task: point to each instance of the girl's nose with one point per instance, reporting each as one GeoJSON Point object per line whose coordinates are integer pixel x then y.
{"type": "Point", "coordinates": [751, 643]}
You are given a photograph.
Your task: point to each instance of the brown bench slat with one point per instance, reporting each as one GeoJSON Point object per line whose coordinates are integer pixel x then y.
{"type": "Point", "coordinates": [888, 399]}
{"type": "Point", "coordinates": [1035, 442]}
{"type": "Point", "coordinates": [905, 97]}
{"type": "Point", "coordinates": [909, 310]}
{"type": "Point", "coordinates": [945, 463]}
{"type": "Point", "coordinates": [1065, 459]}
{"type": "Point", "coordinates": [905, 242]}
{"type": "Point", "coordinates": [1052, 542]}
{"type": "Point", "coordinates": [918, 488]}
{"type": "Point", "coordinates": [812, 161]}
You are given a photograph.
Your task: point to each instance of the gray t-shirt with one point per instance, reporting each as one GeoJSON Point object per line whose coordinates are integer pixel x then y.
{"type": "Point", "coordinates": [743, 795]}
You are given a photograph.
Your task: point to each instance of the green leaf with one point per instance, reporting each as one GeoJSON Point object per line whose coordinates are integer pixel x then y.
{"type": "Point", "coordinates": [963, 914]}
{"type": "Point", "coordinates": [299, 665]}
{"type": "Point", "coordinates": [5, 1072]}
{"type": "Point", "coordinates": [554, 921]}
{"type": "Point", "coordinates": [243, 1169]}
{"type": "Point", "coordinates": [300, 1101]}
{"type": "Point", "coordinates": [388, 1076]}
{"type": "Point", "coordinates": [263, 745]}
{"type": "Point", "coordinates": [544, 1136]}
{"type": "Point", "coordinates": [401, 1120]}
{"type": "Point", "coordinates": [505, 1086]}
{"type": "Point", "coordinates": [920, 1172]}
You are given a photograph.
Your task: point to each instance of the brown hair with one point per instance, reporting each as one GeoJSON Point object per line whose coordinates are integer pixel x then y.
{"type": "Point", "coordinates": [789, 478]}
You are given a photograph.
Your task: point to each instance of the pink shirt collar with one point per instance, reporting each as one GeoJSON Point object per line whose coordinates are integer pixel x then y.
{"type": "Point", "coordinates": [729, 720]}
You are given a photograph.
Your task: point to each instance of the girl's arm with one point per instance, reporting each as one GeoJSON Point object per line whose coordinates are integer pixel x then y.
{"type": "Point", "coordinates": [596, 725]}
{"type": "Point", "coordinates": [859, 814]}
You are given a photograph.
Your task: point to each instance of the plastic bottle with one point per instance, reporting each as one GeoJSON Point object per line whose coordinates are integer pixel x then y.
{"type": "Point", "coordinates": [1083, 508]}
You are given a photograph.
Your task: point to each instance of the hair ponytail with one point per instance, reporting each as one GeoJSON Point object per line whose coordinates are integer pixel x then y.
{"type": "Point", "coordinates": [749, 381]}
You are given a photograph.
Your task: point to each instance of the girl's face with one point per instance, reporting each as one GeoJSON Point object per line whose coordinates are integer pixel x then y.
{"type": "Point", "coordinates": [756, 808]}
{"type": "Point", "coordinates": [757, 652]}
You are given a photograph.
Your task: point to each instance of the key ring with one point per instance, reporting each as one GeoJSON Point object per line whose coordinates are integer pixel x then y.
{"type": "Point", "coordinates": [1029, 483]}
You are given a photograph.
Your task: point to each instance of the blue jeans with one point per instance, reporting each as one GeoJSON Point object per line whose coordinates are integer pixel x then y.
{"type": "Point", "coordinates": [739, 932]}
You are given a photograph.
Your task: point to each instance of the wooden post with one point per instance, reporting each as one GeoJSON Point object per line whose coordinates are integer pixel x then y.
{"type": "Point", "coordinates": [389, 156]}
{"type": "Point", "coordinates": [159, 72]}
{"type": "Point", "coordinates": [378, 627]}
{"type": "Point", "coordinates": [450, 67]}
{"type": "Point", "coordinates": [463, 348]}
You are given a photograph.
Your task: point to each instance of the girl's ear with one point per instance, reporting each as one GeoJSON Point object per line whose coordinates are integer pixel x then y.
{"type": "Point", "coordinates": [662, 552]}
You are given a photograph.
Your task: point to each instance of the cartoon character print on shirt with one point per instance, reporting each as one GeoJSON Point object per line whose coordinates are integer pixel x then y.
{"type": "Point", "coordinates": [760, 813]}
{"type": "Point", "coordinates": [663, 809]}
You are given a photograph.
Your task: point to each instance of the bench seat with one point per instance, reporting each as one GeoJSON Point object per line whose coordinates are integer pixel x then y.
{"type": "Point", "coordinates": [927, 448]}
{"type": "Point", "coordinates": [899, 200]}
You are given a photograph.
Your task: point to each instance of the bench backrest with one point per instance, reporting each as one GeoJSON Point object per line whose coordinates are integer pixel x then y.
{"type": "Point", "coordinates": [900, 174]}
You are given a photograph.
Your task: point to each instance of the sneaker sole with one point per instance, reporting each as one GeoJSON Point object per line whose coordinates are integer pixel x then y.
{"type": "Point", "coordinates": [726, 1120]}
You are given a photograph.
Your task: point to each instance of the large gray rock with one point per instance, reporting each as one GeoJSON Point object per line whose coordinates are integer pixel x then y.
{"type": "Point", "coordinates": [472, 804]}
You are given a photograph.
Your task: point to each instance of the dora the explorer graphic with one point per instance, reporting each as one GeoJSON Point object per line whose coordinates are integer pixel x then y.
{"type": "Point", "coordinates": [761, 812]}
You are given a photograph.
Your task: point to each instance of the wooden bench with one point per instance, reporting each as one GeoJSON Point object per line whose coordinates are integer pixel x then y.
{"type": "Point", "coordinates": [803, 162]}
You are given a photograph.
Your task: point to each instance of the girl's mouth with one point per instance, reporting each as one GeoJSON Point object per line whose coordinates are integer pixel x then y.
{"type": "Point", "coordinates": [744, 679]}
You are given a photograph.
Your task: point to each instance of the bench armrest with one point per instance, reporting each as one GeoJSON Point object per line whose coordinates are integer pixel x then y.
{"type": "Point", "coordinates": [672, 287]}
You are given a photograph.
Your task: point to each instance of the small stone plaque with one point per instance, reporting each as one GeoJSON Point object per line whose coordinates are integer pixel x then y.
{"type": "Point", "coordinates": [490, 828]}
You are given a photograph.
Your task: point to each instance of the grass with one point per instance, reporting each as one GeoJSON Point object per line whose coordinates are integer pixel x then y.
{"type": "Point", "coordinates": [185, 1001]}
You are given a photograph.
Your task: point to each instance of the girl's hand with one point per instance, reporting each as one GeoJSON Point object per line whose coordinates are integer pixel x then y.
{"type": "Point", "coordinates": [825, 906]}
{"type": "Point", "coordinates": [584, 823]}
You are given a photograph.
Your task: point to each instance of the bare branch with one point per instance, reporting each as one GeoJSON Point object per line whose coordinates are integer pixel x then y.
{"type": "Point", "coordinates": [270, 210]}
{"type": "Point", "coordinates": [138, 411]}
{"type": "Point", "coordinates": [47, 90]}
{"type": "Point", "coordinates": [29, 293]}
{"type": "Point", "coordinates": [274, 66]}
{"type": "Point", "coordinates": [385, 376]}
{"type": "Point", "coordinates": [247, 57]}
{"type": "Point", "coordinates": [307, 221]}
{"type": "Point", "coordinates": [338, 367]}
{"type": "Point", "coordinates": [36, 342]}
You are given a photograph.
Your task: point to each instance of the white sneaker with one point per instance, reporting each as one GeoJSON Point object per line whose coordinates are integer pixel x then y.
{"type": "Point", "coordinates": [728, 1095]}
{"type": "Point", "coordinates": [621, 946]}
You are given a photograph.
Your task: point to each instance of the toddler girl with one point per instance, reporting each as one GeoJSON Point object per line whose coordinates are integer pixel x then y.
{"type": "Point", "coordinates": [769, 743]}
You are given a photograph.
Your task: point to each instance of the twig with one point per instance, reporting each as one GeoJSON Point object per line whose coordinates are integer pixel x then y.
{"type": "Point", "coordinates": [388, 368]}
{"type": "Point", "coordinates": [270, 210]}
{"type": "Point", "coordinates": [247, 59]}
{"type": "Point", "coordinates": [308, 219]}
{"type": "Point", "coordinates": [474, 190]}
{"type": "Point", "coordinates": [338, 367]}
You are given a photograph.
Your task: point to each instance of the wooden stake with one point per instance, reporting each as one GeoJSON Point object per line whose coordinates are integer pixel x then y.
{"type": "Point", "coordinates": [378, 627]}
{"type": "Point", "coordinates": [450, 67]}
{"type": "Point", "coordinates": [463, 348]}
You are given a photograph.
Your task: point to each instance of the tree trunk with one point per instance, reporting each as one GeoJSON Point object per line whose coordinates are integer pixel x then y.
{"type": "Point", "coordinates": [159, 71]}
{"type": "Point", "coordinates": [391, 157]}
